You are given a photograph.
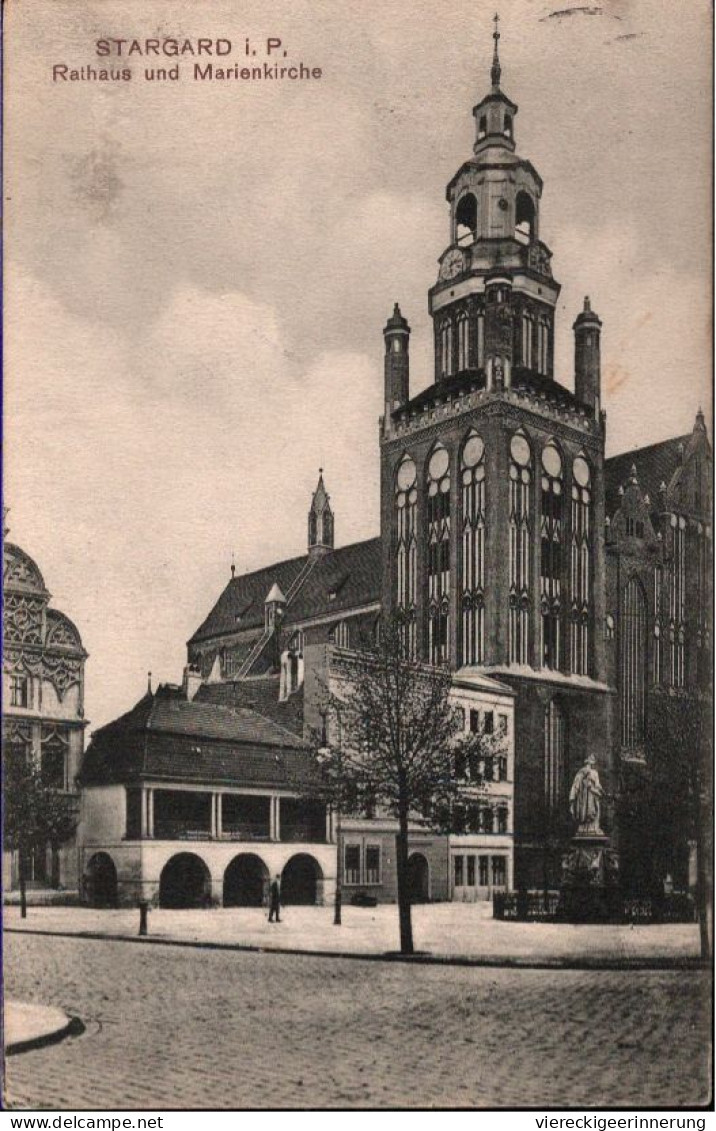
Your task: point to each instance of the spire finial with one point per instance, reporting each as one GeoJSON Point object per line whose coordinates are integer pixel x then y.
{"type": "Point", "coordinates": [587, 305]}
{"type": "Point", "coordinates": [496, 69]}
{"type": "Point", "coordinates": [233, 565]}
{"type": "Point", "coordinates": [149, 683]}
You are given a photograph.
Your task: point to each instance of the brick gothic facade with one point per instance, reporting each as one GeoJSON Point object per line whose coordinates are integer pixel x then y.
{"type": "Point", "coordinates": [493, 506]}
{"type": "Point", "coordinates": [509, 545]}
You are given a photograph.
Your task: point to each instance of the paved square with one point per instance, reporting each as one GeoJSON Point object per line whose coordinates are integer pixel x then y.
{"type": "Point", "coordinates": [171, 1027]}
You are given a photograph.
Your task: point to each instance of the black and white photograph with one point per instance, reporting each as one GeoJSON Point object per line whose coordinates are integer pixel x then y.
{"type": "Point", "coordinates": [358, 558]}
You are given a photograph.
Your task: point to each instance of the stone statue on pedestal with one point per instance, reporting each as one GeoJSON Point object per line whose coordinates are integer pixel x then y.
{"type": "Point", "coordinates": [585, 799]}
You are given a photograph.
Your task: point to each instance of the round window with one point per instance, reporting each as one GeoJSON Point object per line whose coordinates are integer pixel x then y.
{"type": "Point", "coordinates": [473, 451]}
{"type": "Point", "coordinates": [406, 474]}
{"type": "Point", "coordinates": [520, 450]}
{"type": "Point", "coordinates": [580, 470]}
{"type": "Point", "coordinates": [438, 463]}
{"type": "Point", "coordinates": [551, 461]}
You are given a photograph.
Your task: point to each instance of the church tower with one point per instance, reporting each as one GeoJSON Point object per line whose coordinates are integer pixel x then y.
{"type": "Point", "coordinates": [492, 479]}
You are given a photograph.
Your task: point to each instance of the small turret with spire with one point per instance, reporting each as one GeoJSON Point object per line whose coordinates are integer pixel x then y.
{"type": "Point", "coordinates": [320, 519]}
{"type": "Point", "coordinates": [397, 362]}
{"type": "Point", "coordinates": [495, 114]}
{"type": "Point", "coordinates": [587, 364]}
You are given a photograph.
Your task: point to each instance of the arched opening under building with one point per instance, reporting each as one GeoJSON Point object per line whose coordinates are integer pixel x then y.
{"type": "Point", "coordinates": [300, 880]}
{"type": "Point", "coordinates": [524, 218]}
{"type": "Point", "coordinates": [418, 878]}
{"type": "Point", "coordinates": [466, 220]}
{"type": "Point", "coordinates": [100, 881]}
{"type": "Point", "coordinates": [185, 882]}
{"type": "Point", "coordinates": [245, 881]}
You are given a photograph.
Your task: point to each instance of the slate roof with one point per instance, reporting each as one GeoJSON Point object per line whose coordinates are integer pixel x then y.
{"type": "Point", "coordinates": [655, 464]}
{"type": "Point", "coordinates": [352, 572]}
{"type": "Point", "coordinates": [165, 737]}
{"type": "Point", "coordinates": [257, 695]}
{"type": "Point", "coordinates": [473, 379]}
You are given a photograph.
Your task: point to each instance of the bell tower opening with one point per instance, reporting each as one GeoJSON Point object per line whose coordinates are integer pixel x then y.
{"type": "Point", "coordinates": [524, 218]}
{"type": "Point", "coordinates": [466, 220]}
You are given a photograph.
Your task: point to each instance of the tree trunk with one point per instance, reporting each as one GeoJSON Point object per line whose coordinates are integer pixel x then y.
{"type": "Point", "coordinates": [21, 863]}
{"type": "Point", "coordinates": [702, 885]}
{"type": "Point", "coordinates": [404, 908]}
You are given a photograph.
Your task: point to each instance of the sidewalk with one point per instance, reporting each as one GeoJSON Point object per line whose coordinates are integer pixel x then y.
{"type": "Point", "coordinates": [29, 1026]}
{"type": "Point", "coordinates": [458, 932]}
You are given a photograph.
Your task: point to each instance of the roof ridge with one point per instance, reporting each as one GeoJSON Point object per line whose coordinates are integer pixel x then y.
{"type": "Point", "coordinates": [634, 452]}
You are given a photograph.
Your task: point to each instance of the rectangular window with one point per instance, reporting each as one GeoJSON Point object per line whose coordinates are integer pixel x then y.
{"type": "Point", "coordinates": [502, 719]}
{"type": "Point", "coordinates": [489, 768]}
{"type": "Point", "coordinates": [134, 814]}
{"type": "Point", "coordinates": [499, 872]}
{"type": "Point", "coordinates": [351, 868]}
{"type": "Point", "coordinates": [502, 820]}
{"type": "Point", "coordinates": [459, 880]}
{"type": "Point", "coordinates": [19, 691]}
{"type": "Point", "coordinates": [502, 769]}
{"type": "Point", "coordinates": [474, 721]}
{"type": "Point", "coordinates": [489, 726]}
{"type": "Point", "coordinates": [372, 864]}
{"type": "Point", "coordinates": [471, 871]}
{"type": "Point", "coordinates": [52, 764]}
{"type": "Point", "coordinates": [460, 717]}
{"type": "Point", "coordinates": [484, 871]}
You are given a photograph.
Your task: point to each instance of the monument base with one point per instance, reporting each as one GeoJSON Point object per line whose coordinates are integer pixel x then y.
{"type": "Point", "coordinates": [589, 888]}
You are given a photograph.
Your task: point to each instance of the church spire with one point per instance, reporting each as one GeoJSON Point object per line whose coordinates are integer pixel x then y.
{"type": "Point", "coordinates": [320, 519]}
{"type": "Point", "coordinates": [496, 68]}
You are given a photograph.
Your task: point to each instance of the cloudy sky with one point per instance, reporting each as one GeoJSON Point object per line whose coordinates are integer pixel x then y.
{"type": "Point", "coordinates": [197, 274]}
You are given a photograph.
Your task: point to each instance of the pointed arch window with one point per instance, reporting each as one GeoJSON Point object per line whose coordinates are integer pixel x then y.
{"type": "Point", "coordinates": [524, 218]}
{"type": "Point", "coordinates": [520, 539]}
{"type": "Point", "coordinates": [438, 539]}
{"type": "Point", "coordinates": [463, 342]}
{"type": "Point", "coordinates": [406, 501]}
{"type": "Point", "coordinates": [659, 627]}
{"type": "Point", "coordinates": [551, 529]}
{"type": "Point", "coordinates": [474, 530]}
{"type": "Point", "coordinates": [554, 756]}
{"type": "Point", "coordinates": [580, 566]}
{"type": "Point", "coordinates": [632, 674]}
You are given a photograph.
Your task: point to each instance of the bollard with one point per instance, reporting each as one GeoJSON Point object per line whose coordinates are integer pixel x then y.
{"type": "Point", "coordinates": [143, 913]}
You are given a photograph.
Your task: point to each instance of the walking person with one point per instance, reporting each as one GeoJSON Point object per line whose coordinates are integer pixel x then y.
{"type": "Point", "coordinates": [275, 899]}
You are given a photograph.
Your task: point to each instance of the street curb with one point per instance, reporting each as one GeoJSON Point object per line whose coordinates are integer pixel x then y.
{"type": "Point", "coordinates": [73, 1028]}
{"type": "Point", "coordinates": [419, 959]}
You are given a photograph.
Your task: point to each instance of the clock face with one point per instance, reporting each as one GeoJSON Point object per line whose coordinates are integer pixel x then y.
{"type": "Point", "coordinates": [452, 264]}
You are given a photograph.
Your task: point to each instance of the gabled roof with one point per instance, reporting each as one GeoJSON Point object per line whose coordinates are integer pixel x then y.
{"type": "Point", "coordinates": [655, 464]}
{"type": "Point", "coordinates": [352, 572]}
{"type": "Point", "coordinates": [258, 694]}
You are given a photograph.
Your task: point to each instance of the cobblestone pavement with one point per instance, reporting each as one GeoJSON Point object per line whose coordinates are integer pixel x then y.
{"type": "Point", "coordinates": [172, 1028]}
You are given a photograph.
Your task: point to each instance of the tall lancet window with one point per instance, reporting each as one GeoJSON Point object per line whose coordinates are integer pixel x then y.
{"type": "Point", "coordinates": [632, 649]}
{"type": "Point", "coordinates": [658, 665]}
{"type": "Point", "coordinates": [527, 326]}
{"type": "Point", "coordinates": [406, 501]}
{"type": "Point", "coordinates": [677, 603]}
{"type": "Point", "coordinates": [551, 557]}
{"type": "Point", "coordinates": [446, 348]}
{"type": "Point", "coordinates": [520, 539]}
{"type": "Point", "coordinates": [554, 760]}
{"type": "Point", "coordinates": [438, 521]}
{"type": "Point", "coordinates": [473, 551]}
{"type": "Point", "coordinates": [463, 342]}
{"type": "Point", "coordinates": [480, 340]}
{"type": "Point", "coordinates": [580, 559]}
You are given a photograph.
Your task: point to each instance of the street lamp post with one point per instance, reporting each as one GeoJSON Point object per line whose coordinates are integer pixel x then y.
{"type": "Point", "coordinates": [339, 891]}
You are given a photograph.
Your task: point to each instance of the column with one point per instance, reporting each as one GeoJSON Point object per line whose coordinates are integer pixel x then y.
{"type": "Point", "coordinates": [144, 814]}
{"type": "Point", "coordinates": [329, 825]}
{"type": "Point", "coordinates": [150, 812]}
{"type": "Point", "coordinates": [212, 831]}
{"type": "Point", "coordinates": [219, 815]}
{"type": "Point", "coordinates": [277, 818]}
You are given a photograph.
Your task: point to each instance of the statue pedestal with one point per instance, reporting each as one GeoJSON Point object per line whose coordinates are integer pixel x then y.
{"type": "Point", "coordinates": [589, 889]}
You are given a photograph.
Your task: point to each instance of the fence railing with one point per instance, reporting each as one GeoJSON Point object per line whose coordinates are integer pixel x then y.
{"type": "Point", "coordinates": [545, 907]}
